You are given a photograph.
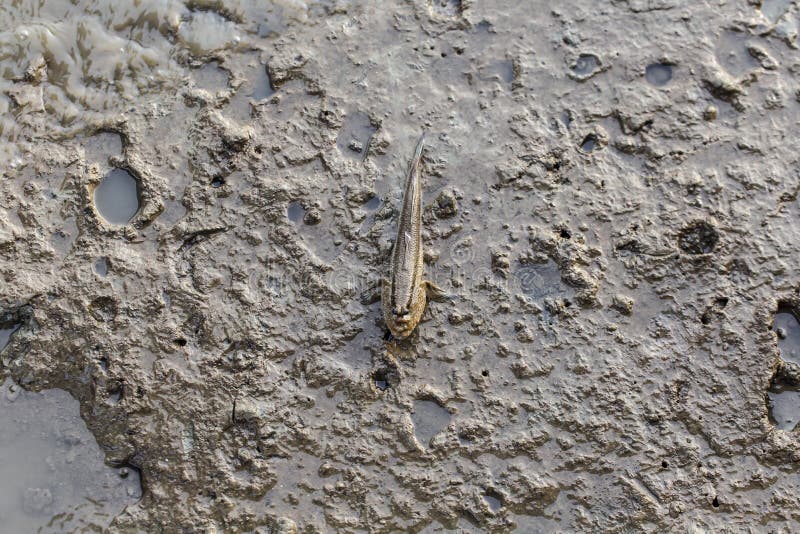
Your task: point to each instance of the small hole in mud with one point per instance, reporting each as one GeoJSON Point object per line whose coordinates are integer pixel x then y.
{"type": "Point", "coordinates": [564, 233]}
{"type": "Point", "coordinates": [295, 212]}
{"type": "Point", "coordinates": [658, 74]}
{"type": "Point", "coordinates": [444, 54]}
{"type": "Point", "coordinates": [664, 464]}
{"type": "Point", "coordinates": [698, 238]}
{"type": "Point", "coordinates": [104, 363]}
{"type": "Point", "coordinates": [385, 378]}
{"type": "Point", "coordinates": [715, 502]}
{"type": "Point", "coordinates": [485, 372]}
{"type": "Point", "coordinates": [181, 342]}
{"type": "Point", "coordinates": [381, 380]}
{"type": "Point", "coordinates": [217, 182]}
{"type": "Point", "coordinates": [722, 302]}
{"type": "Point", "coordinates": [706, 318]}
{"type": "Point", "coordinates": [589, 143]}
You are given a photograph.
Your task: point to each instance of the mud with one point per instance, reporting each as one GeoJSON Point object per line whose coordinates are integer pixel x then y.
{"type": "Point", "coordinates": [611, 198]}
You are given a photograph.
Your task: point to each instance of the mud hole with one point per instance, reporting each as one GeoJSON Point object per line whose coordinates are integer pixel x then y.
{"type": "Point", "coordinates": [197, 207]}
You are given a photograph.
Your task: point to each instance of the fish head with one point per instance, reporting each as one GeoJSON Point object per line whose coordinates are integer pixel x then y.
{"type": "Point", "coordinates": [401, 314]}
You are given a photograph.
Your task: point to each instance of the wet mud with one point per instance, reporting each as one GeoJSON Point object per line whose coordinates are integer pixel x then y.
{"type": "Point", "coordinates": [198, 204]}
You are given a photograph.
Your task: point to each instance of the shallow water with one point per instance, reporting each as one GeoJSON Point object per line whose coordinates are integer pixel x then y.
{"type": "Point", "coordinates": [658, 74]}
{"type": "Point", "coordinates": [787, 327]}
{"type": "Point", "coordinates": [585, 65]}
{"type": "Point", "coordinates": [52, 477]}
{"type": "Point", "coordinates": [429, 419]}
{"type": "Point", "coordinates": [784, 406]}
{"type": "Point", "coordinates": [6, 333]}
{"type": "Point", "coordinates": [542, 280]}
{"type": "Point", "coordinates": [117, 197]}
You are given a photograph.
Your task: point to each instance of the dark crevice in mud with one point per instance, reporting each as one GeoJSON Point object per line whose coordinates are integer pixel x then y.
{"type": "Point", "coordinates": [385, 378]}
{"type": "Point", "coordinates": [198, 236]}
{"type": "Point", "coordinates": [714, 311]}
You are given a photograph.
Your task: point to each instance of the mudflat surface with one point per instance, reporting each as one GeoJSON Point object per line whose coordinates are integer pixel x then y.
{"type": "Point", "coordinates": [611, 203]}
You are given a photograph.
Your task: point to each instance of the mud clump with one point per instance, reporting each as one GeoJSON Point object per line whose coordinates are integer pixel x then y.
{"type": "Point", "coordinates": [698, 238]}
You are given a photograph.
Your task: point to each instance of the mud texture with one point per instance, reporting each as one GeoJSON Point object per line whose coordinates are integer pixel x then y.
{"type": "Point", "coordinates": [612, 204]}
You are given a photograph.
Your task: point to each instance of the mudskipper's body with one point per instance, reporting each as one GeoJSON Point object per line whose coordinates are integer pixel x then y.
{"type": "Point", "coordinates": [405, 294]}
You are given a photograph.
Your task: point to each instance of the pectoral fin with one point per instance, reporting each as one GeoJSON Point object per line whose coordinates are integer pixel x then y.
{"type": "Point", "coordinates": [436, 293]}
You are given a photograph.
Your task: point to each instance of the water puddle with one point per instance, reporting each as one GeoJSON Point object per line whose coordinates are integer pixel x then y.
{"type": "Point", "coordinates": [262, 85]}
{"type": "Point", "coordinates": [372, 204]}
{"type": "Point", "coordinates": [429, 419]}
{"type": "Point", "coordinates": [784, 406]}
{"type": "Point", "coordinates": [539, 281]}
{"type": "Point", "coordinates": [658, 74]}
{"type": "Point", "coordinates": [501, 71]}
{"type": "Point", "coordinates": [101, 146]}
{"type": "Point", "coordinates": [295, 212]}
{"type": "Point", "coordinates": [586, 66]}
{"type": "Point", "coordinates": [589, 144]}
{"type": "Point", "coordinates": [355, 136]}
{"type": "Point", "coordinates": [6, 332]}
{"type": "Point", "coordinates": [732, 54]}
{"type": "Point", "coordinates": [117, 197]}
{"type": "Point", "coordinates": [446, 8]}
{"type": "Point", "coordinates": [494, 501]}
{"type": "Point", "coordinates": [52, 477]}
{"type": "Point", "coordinates": [787, 327]}
{"type": "Point", "coordinates": [211, 77]}
{"type": "Point", "coordinates": [101, 266]}
{"type": "Point", "coordinates": [775, 9]}
{"type": "Point", "coordinates": [64, 237]}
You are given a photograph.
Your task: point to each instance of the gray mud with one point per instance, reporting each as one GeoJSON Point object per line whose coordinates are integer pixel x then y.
{"type": "Point", "coordinates": [611, 199]}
